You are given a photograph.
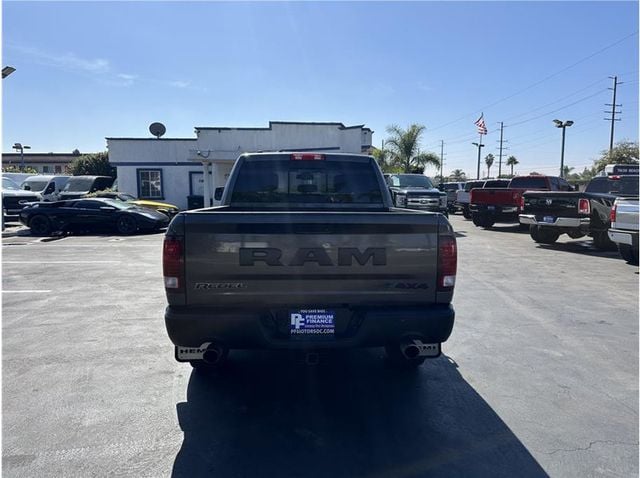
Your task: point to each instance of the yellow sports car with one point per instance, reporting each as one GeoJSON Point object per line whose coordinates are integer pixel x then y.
{"type": "Point", "coordinates": [168, 209]}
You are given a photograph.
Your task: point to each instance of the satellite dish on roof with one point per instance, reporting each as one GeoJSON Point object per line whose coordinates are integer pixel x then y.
{"type": "Point", "coordinates": [157, 129]}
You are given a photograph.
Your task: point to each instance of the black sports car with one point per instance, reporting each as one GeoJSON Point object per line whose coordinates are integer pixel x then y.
{"type": "Point", "coordinates": [90, 214]}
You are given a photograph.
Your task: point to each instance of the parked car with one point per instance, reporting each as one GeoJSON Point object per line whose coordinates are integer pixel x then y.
{"type": "Point", "coordinates": [307, 252]}
{"type": "Point", "coordinates": [451, 190]}
{"type": "Point", "coordinates": [79, 186]}
{"type": "Point", "coordinates": [550, 214]}
{"type": "Point", "coordinates": [96, 214]}
{"type": "Point", "coordinates": [17, 177]}
{"type": "Point", "coordinates": [13, 200]}
{"type": "Point", "coordinates": [47, 188]}
{"type": "Point", "coordinates": [463, 197]}
{"type": "Point", "coordinates": [491, 205]}
{"type": "Point", "coordinates": [624, 228]}
{"type": "Point", "coordinates": [415, 191]}
{"type": "Point", "coordinates": [165, 208]}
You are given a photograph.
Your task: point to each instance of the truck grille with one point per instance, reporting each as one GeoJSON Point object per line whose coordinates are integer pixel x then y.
{"type": "Point", "coordinates": [423, 201]}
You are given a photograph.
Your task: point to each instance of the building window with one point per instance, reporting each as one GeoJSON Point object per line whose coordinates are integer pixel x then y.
{"type": "Point", "coordinates": [45, 169]}
{"type": "Point", "coordinates": [57, 169]}
{"type": "Point", "coordinates": [150, 184]}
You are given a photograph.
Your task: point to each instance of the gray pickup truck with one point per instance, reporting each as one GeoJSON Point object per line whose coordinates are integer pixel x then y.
{"type": "Point", "coordinates": [307, 252]}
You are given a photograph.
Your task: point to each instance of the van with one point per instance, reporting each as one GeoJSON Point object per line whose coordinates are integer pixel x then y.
{"type": "Point", "coordinates": [47, 188]}
{"type": "Point", "coordinates": [79, 186]}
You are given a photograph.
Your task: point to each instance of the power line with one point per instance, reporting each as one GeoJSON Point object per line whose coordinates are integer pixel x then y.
{"type": "Point", "coordinates": [546, 78]}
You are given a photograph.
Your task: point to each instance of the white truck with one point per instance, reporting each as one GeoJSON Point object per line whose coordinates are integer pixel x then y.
{"type": "Point", "coordinates": [624, 228]}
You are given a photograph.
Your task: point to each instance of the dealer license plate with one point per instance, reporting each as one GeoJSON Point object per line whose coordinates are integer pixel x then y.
{"type": "Point", "coordinates": [549, 219]}
{"type": "Point", "coordinates": [312, 324]}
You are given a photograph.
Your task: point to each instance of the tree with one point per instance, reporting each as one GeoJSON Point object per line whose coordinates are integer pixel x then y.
{"type": "Point", "coordinates": [92, 164]}
{"type": "Point", "coordinates": [404, 146]}
{"type": "Point", "coordinates": [512, 161]}
{"type": "Point", "coordinates": [16, 169]}
{"type": "Point", "coordinates": [624, 152]}
{"type": "Point", "coordinates": [76, 152]}
{"type": "Point", "coordinates": [566, 171]}
{"type": "Point", "coordinates": [489, 159]}
{"type": "Point", "coordinates": [457, 175]}
{"type": "Point", "coordinates": [384, 159]}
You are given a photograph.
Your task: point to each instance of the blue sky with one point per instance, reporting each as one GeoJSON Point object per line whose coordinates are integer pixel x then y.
{"type": "Point", "coordinates": [86, 71]}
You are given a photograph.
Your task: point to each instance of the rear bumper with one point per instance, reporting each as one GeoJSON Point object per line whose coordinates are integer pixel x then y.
{"type": "Point", "coordinates": [191, 327]}
{"type": "Point", "coordinates": [624, 237]}
{"type": "Point", "coordinates": [498, 213]}
{"type": "Point", "coordinates": [565, 222]}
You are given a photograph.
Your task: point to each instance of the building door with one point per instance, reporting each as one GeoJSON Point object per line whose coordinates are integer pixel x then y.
{"type": "Point", "coordinates": [196, 183]}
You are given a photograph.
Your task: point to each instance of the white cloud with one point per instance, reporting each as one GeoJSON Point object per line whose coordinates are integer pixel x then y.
{"type": "Point", "coordinates": [179, 84]}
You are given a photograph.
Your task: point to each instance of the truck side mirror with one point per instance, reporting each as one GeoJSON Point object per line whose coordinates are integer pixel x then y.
{"type": "Point", "coordinates": [218, 194]}
{"type": "Point", "coordinates": [26, 187]}
{"type": "Point", "coordinates": [51, 188]}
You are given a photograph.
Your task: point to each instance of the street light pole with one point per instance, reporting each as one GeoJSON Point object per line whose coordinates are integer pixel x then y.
{"type": "Point", "coordinates": [21, 148]}
{"type": "Point", "coordinates": [564, 126]}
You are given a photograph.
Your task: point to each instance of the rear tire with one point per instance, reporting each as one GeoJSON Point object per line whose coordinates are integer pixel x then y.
{"type": "Point", "coordinates": [628, 253]}
{"type": "Point", "coordinates": [543, 235]}
{"type": "Point", "coordinates": [126, 225]}
{"type": "Point", "coordinates": [396, 358]}
{"type": "Point", "coordinates": [482, 220]}
{"type": "Point", "coordinates": [601, 241]}
{"type": "Point", "coordinates": [40, 225]}
{"type": "Point", "coordinates": [466, 213]}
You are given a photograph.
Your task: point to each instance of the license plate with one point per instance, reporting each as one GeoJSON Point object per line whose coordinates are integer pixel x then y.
{"type": "Point", "coordinates": [549, 219]}
{"type": "Point", "coordinates": [312, 324]}
{"type": "Point", "coordinates": [491, 208]}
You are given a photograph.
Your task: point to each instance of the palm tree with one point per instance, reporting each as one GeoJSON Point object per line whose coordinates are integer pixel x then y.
{"type": "Point", "coordinates": [404, 146]}
{"type": "Point", "coordinates": [566, 171]}
{"type": "Point", "coordinates": [383, 158]}
{"type": "Point", "coordinates": [512, 161]}
{"type": "Point", "coordinates": [458, 175]}
{"type": "Point", "coordinates": [489, 162]}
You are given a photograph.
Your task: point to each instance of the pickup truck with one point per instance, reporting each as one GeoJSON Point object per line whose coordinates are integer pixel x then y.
{"type": "Point", "coordinates": [451, 190]}
{"type": "Point", "coordinates": [463, 197]}
{"type": "Point", "coordinates": [416, 191]}
{"type": "Point", "coordinates": [552, 213]}
{"type": "Point", "coordinates": [307, 252]}
{"type": "Point", "coordinates": [624, 228]}
{"type": "Point", "coordinates": [491, 205]}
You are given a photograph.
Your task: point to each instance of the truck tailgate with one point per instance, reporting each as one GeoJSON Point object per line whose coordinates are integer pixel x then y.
{"type": "Point", "coordinates": [310, 258]}
{"type": "Point", "coordinates": [497, 196]}
{"type": "Point", "coordinates": [548, 203]}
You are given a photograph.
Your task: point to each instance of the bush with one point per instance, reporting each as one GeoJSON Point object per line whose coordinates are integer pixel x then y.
{"type": "Point", "coordinates": [92, 165]}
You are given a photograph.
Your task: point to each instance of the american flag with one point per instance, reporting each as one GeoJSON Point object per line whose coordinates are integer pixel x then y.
{"type": "Point", "coordinates": [482, 128]}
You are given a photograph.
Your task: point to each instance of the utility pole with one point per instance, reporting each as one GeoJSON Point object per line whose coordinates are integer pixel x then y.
{"type": "Point", "coordinates": [613, 111]}
{"type": "Point", "coordinates": [479, 145]}
{"type": "Point", "coordinates": [441, 160]}
{"type": "Point", "coordinates": [500, 157]}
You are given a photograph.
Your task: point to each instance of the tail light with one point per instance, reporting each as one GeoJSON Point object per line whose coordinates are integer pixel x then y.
{"type": "Point", "coordinates": [307, 157]}
{"type": "Point", "coordinates": [173, 263]}
{"type": "Point", "coordinates": [447, 263]}
{"type": "Point", "coordinates": [612, 214]}
{"type": "Point", "coordinates": [584, 206]}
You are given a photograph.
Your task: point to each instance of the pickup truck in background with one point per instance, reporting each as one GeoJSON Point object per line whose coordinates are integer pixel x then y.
{"type": "Point", "coordinates": [463, 197]}
{"type": "Point", "coordinates": [552, 213]}
{"type": "Point", "coordinates": [451, 190]}
{"type": "Point", "coordinates": [416, 191]}
{"type": "Point", "coordinates": [491, 205]}
{"type": "Point", "coordinates": [307, 252]}
{"type": "Point", "coordinates": [624, 228]}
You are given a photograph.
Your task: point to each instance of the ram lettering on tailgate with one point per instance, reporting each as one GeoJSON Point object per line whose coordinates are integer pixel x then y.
{"type": "Point", "coordinates": [346, 256]}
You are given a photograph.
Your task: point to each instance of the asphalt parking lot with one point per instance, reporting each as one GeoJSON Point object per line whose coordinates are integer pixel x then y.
{"type": "Point", "coordinates": [540, 376]}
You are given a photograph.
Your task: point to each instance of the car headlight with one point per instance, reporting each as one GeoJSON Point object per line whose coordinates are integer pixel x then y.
{"type": "Point", "coordinates": [443, 200]}
{"type": "Point", "coordinates": [401, 200]}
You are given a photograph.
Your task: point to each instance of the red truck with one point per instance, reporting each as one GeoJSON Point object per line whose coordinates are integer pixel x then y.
{"type": "Point", "coordinates": [491, 205]}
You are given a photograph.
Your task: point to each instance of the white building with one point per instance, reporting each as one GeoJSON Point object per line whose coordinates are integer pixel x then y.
{"type": "Point", "coordinates": [171, 169]}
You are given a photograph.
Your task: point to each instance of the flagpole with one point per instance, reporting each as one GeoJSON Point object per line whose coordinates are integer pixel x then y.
{"type": "Point", "coordinates": [479, 148]}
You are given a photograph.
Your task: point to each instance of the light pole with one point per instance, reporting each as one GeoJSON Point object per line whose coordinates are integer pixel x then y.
{"type": "Point", "coordinates": [20, 147]}
{"type": "Point", "coordinates": [560, 124]}
{"type": "Point", "coordinates": [479, 145]}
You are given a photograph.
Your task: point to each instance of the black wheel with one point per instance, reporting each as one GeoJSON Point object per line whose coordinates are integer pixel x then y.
{"type": "Point", "coordinates": [466, 213]}
{"type": "Point", "coordinates": [40, 226]}
{"type": "Point", "coordinates": [396, 358]}
{"type": "Point", "coordinates": [543, 235]}
{"type": "Point", "coordinates": [477, 220]}
{"type": "Point", "coordinates": [601, 241]}
{"type": "Point", "coordinates": [628, 253]}
{"type": "Point", "coordinates": [126, 225]}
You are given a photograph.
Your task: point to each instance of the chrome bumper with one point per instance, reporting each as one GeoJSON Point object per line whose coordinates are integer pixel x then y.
{"type": "Point", "coordinates": [623, 237]}
{"type": "Point", "coordinates": [570, 222]}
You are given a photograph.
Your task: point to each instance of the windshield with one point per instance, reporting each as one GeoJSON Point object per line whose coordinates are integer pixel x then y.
{"type": "Point", "coordinates": [451, 187]}
{"type": "Point", "coordinates": [529, 182]}
{"type": "Point", "coordinates": [8, 184]}
{"type": "Point", "coordinates": [306, 182]}
{"type": "Point", "coordinates": [411, 181]}
{"type": "Point", "coordinates": [117, 204]}
{"type": "Point", "coordinates": [473, 184]}
{"type": "Point", "coordinates": [35, 185]}
{"type": "Point", "coordinates": [497, 183]}
{"type": "Point", "coordinates": [624, 186]}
